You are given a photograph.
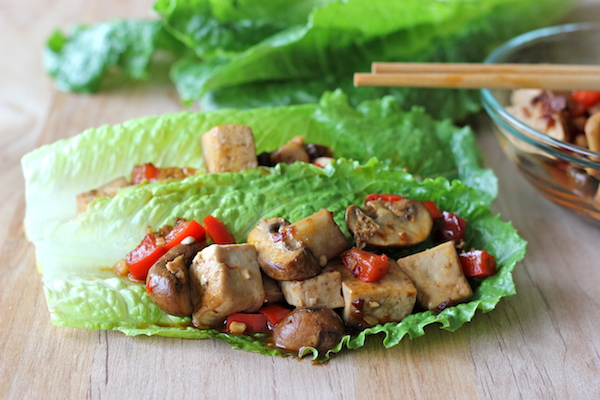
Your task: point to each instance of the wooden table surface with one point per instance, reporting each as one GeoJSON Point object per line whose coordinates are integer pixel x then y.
{"type": "Point", "coordinates": [542, 343]}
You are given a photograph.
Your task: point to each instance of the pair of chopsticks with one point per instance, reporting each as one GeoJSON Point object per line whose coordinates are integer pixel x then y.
{"type": "Point", "coordinates": [474, 76]}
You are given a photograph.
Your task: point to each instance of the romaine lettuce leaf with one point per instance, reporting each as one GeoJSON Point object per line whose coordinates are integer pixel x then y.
{"type": "Point", "coordinates": [81, 61]}
{"type": "Point", "coordinates": [296, 51]}
{"type": "Point", "coordinates": [56, 173]}
{"type": "Point", "coordinates": [76, 255]}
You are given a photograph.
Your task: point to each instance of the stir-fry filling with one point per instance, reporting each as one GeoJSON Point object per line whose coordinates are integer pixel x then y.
{"type": "Point", "coordinates": [303, 283]}
{"type": "Point", "coordinates": [225, 148]}
{"type": "Point", "coordinates": [572, 117]}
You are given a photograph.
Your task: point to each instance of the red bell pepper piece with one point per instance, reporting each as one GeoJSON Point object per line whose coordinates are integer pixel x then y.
{"type": "Point", "coordinates": [367, 267]}
{"type": "Point", "coordinates": [477, 263]}
{"type": "Point", "coordinates": [383, 197]}
{"type": "Point", "coordinates": [255, 323]}
{"type": "Point", "coordinates": [140, 259]}
{"type": "Point", "coordinates": [145, 172]}
{"type": "Point", "coordinates": [182, 230]}
{"type": "Point", "coordinates": [433, 209]}
{"type": "Point", "coordinates": [451, 227]}
{"type": "Point", "coordinates": [217, 231]}
{"type": "Point", "coordinates": [586, 97]}
{"type": "Point", "coordinates": [274, 313]}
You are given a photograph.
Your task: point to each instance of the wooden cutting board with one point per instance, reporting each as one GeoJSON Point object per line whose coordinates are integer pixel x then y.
{"type": "Point", "coordinates": [541, 343]}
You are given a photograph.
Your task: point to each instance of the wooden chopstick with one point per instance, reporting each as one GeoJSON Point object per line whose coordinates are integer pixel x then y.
{"type": "Point", "coordinates": [474, 76]}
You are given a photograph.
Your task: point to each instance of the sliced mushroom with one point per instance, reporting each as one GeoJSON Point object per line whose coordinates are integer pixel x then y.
{"type": "Point", "coordinates": [318, 151]}
{"type": "Point", "coordinates": [289, 153]}
{"type": "Point", "coordinates": [362, 227]}
{"type": "Point", "coordinates": [272, 290]}
{"type": "Point", "coordinates": [316, 327]}
{"type": "Point", "coordinates": [280, 255]}
{"type": "Point", "coordinates": [168, 281]}
{"type": "Point", "coordinates": [397, 223]}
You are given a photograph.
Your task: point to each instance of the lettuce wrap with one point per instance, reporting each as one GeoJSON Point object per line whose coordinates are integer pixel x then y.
{"type": "Point", "coordinates": [253, 54]}
{"type": "Point", "coordinates": [76, 252]}
{"type": "Point", "coordinates": [55, 174]}
{"type": "Point", "coordinates": [83, 292]}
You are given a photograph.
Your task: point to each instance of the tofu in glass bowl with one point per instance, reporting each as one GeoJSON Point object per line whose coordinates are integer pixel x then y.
{"type": "Point", "coordinates": [553, 137]}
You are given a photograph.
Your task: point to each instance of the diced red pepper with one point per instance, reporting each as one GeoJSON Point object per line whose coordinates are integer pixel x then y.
{"type": "Point", "coordinates": [451, 227]}
{"type": "Point", "coordinates": [255, 323]}
{"type": "Point", "coordinates": [367, 267]}
{"type": "Point", "coordinates": [433, 209]}
{"type": "Point", "coordinates": [182, 230]}
{"type": "Point", "coordinates": [586, 97]}
{"type": "Point", "coordinates": [274, 313]}
{"type": "Point", "coordinates": [143, 257]}
{"type": "Point", "coordinates": [383, 197]}
{"type": "Point", "coordinates": [217, 231]}
{"type": "Point", "coordinates": [145, 172]}
{"type": "Point", "coordinates": [477, 263]}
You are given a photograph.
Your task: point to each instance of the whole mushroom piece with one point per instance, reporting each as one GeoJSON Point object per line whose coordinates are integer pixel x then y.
{"type": "Point", "coordinates": [316, 327]}
{"type": "Point", "coordinates": [300, 250]}
{"type": "Point", "coordinates": [398, 223]}
{"type": "Point", "coordinates": [168, 280]}
{"type": "Point", "coordinates": [280, 256]}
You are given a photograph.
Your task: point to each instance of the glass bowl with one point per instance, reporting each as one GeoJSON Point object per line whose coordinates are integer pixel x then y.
{"type": "Point", "coordinates": [564, 172]}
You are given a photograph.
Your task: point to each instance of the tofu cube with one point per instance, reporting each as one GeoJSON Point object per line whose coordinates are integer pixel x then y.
{"type": "Point", "coordinates": [229, 148]}
{"type": "Point", "coordinates": [321, 234]}
{"type": "Point", "coordinates": [438, 276]}
{"type": "Point", "coordinates": [107, 190]}
{"type": "Point", "coordinates": [225, 279]}
{"type": "Point", "coordinates": [323, 290]}
{"type": "Point", "coordinates": [390, 299]}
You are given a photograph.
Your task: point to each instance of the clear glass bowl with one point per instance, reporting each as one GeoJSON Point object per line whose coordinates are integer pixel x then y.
{"type": "Point", "coordinates": [561, 171]}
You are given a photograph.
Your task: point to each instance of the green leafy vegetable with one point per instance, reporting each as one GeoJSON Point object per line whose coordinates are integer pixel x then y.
{"type": "Point", "coordinates": [244, 53]}
{"type": "Point", "coordinates": [427, 148]}
{"type": "Point", "coordinates": [81, 61]}
{"type": "Point", "coordinates": [75, 252]}
{"type": "Point", "coordinates": [75, 255]}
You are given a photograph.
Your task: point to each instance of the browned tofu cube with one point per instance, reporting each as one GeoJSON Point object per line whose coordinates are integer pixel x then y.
{"type": "Point", "coordinates": [229, 148]}
{"type": "Point", "coordinates": [438, 276]}
{"type": "Point", "coordinates": [323, 290]}
{"type": "Point", "coordinates": [390, 299]}
{"type": "Point", "coordinates": [225, 279]}
{"type": "Point", "coordinates": [108, 190]}
{"type": "Point", "coordinates": [321, 234]}
{"type": "Point", "coordinates": [175, 173]}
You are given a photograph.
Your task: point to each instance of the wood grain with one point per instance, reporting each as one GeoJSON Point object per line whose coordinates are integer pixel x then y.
{"type": "Point", "coordinates": [542, 343]}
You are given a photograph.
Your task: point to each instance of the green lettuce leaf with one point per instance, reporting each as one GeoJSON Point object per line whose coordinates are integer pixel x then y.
{"type": "Point", "coordinates": [76, 255]}
{"type": "Point", "coordinates": [244, 53]}
{"type": "Point", "coordinates": [83, 60]}
{"type": "Point", "coordinates": [339, 40]}
{"type": "Point", "coordinates": [56, 173]}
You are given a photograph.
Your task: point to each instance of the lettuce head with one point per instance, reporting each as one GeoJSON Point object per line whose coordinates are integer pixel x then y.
{"type": "Point", "coordinates": [242, 53]}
